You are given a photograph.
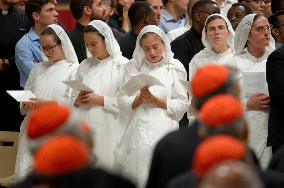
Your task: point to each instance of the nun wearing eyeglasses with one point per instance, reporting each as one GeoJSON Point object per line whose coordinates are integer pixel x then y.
{"type": "Point", "coordinates": [45, 81]}
{"type": "Point", "coordinates": [252, 41]}
{"type": "Point", "coordinates": [218, 39]}
{"type": "Point", "coordinates": [103, 72]}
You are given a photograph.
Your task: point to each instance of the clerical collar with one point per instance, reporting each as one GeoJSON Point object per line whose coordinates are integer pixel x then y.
{"type": "Point", "coordinates": [7, 11]}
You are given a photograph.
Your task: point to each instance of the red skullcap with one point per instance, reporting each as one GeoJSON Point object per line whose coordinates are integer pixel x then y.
{"type": "Point", "coordinates": [60, 155]}
{"type": "Point", "coordinates": [46, 119]}
{"type": "Point", "coordinates": [220, 110]}
{"type": "Point", "coordinates": [216, 149]}
{"type": "Point", "coordinates": [208, 78]}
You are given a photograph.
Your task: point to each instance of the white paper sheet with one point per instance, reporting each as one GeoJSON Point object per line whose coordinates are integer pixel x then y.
{"type": "Point", "coordinates": [254, 82]}
{"type": "Point", "coordinates": [21, 95]}
{"type": "Point", "coordinates": [137, 82]}
{"type": "Point", "coordinates": [77, 85]}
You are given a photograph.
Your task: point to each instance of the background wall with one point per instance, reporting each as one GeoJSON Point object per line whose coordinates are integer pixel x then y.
{"type": "Point", "coordinates": [65, 15]}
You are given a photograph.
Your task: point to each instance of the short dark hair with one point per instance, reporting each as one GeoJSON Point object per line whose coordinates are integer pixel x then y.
{"type": "Point", "coordinates": [247, 9]}
{"type": "Point", "coordinates": [277, 5]}
{"type": "Point", "coordinates": [165, 2]}
{"type": "Point", "coordinates": [201, 3]}
{"type": "Point", "coordinates": [77, 6]}
{"type": "Point", "coordinates": [273, 19]}
{"type": "Point", "coordinates": [34, 6]}
{"type": "Point", "coordinates": [137, 11]}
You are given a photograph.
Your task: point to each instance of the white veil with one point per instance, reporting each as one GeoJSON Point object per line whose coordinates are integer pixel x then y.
{"type": "Point", "coordinates": [230, 29]}
{"type": "Point", "coordinates": [242, 33]}
{"type": "Point", "coordinates": [112, 45]}
{"type": "Point", "coordinates": [67, 46]}
{"type": "Point", "coordinates": [138, 54]}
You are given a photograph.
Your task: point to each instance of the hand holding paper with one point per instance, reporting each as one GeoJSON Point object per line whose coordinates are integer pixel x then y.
{"type": "Point", "coordinates": [254, 82]}
{"type": "Point", "coordinates": [21, 95]}
{"type": "Point", "coordinates": [139, 81]}
{"type": "Point", "coordinates": [77, 85]}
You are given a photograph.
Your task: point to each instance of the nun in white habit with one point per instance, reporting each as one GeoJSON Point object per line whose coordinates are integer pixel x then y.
{"type": "Point", "coordinates": [251, 52]}
{"type": "Point", "coordinates": [45, 81]}
{"type": "Point", "coordinates": [153, 111]}
{"type": "Point", "coordinates": [218, 39]}
{"type": "Point", "coordinates": [103, 72]}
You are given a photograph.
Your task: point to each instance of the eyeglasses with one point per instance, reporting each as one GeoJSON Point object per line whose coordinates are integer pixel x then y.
{"type": "Point", "coordinates": [261, 29]}
{"type": "Point", "coordinates": [103, 3]}
{"type": "Point", "coordinates": [47, 48]}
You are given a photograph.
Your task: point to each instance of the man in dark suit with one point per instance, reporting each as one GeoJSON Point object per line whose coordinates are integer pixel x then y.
{"type": "Point", "coordinates": [173, 153]}
{"type": "Point", "coordinates": [275, 77]}
{"type": "Point", "coordinates": [189, 43]}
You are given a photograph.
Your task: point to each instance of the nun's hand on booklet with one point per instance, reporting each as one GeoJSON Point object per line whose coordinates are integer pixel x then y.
{"type": "Point", "coordinates": [147, 96]}
{"type": "Point", "coordinates": [86, 97]}
{"type": "Point", "coordinates": [28, 105]}
{"type": "Point", "coordinates": [258, 101]}
{"type": "Point", "coordinates": [39, 102]}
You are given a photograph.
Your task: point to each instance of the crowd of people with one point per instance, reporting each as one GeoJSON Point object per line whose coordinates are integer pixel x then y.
{"type": "Point", "coordinates": [206, 111]}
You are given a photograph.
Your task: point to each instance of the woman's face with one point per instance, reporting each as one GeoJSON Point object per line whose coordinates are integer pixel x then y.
{"type": "Point", "coordinates": [217, 32]}
{"type": "Point", "coordinates": [153, 48]}
{"type": "Point", "coordinates": [96, 45]}
{"type": "Point", "coordinates": [51, 49]}
{"type": "Point", "coordinates": [259, 35]}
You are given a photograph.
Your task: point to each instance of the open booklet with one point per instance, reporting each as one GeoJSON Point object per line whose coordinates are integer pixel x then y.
{"type": "Point", "coordinates": [77, 85]}
{"type": "Point", "coordinates": [254, 82]}
{"type": "Point", "coordinates": [21, 95]}
{"type": "Point", "coordinates": [135, 83]}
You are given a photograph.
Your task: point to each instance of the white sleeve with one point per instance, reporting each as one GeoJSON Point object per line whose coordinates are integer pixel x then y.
{"type": "Point", "coordinates": [69, 95]}
{"type": "Point", "coordinates": [29, 85]}
{"type": "Point", "coordinates": [111, 103]}
{"type": "Point", "coordinates": [178, 103]}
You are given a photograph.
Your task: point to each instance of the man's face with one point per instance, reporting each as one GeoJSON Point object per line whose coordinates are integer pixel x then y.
{"type": "Point", "coordinates": [257, 6]}
{"type": "Point", "coordinates": [47, 15]}
{"type": "Point", "coordinates": [206, 10]}
{"type": "Point", "coordinates": [157, 5]}
{"type": "Point", "coordinates": [235, 15]}
{"type": "Point", "coordinates": [279, 30]}
{"type": "Point", "coordinates": [101, 10]}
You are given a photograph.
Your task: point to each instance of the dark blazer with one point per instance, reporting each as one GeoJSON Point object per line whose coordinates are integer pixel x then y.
{"type": "Point", "coordinates": [186, 46]}
{"type": "Point", "coordinates": [173, 156]}
{"type": "Point", "coordinates": [275, 81]}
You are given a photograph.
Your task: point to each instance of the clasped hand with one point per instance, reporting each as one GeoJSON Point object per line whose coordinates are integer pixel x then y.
{"type": "Point", "coordinates": [146, 95]}
{"type": "Point", "coordinates": [86, 98]}
{"type": "Point", "coordinates": [32, 104]}
{"type": "Point", "coordinates": [258, 101]}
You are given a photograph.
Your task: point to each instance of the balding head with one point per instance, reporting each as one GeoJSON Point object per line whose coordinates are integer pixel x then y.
{"type": "Point", "coordinates": [233, 174]}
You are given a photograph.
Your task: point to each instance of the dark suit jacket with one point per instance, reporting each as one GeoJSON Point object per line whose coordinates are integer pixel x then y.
{"type": "Point", "coordinates": [173, 155]}
{"type": "Point", "coordinates": [85, 178]}
{"type": "Point", "coordinates": [186, 46]}
{"type": "Point", "coordinates": [275, 80]}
